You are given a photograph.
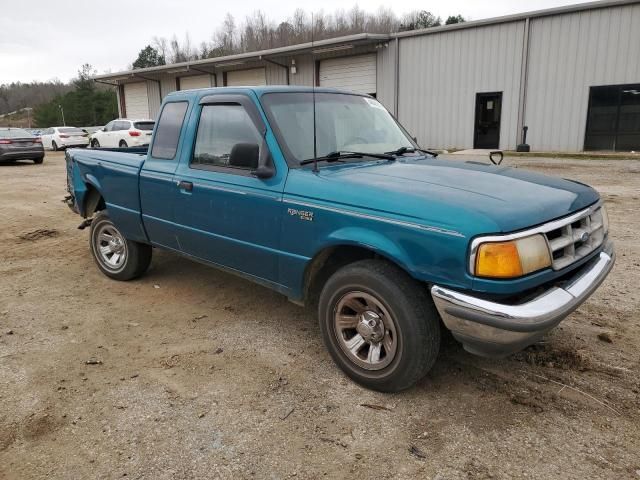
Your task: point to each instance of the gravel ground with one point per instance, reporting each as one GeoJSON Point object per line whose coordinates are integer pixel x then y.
{"type": "Point", "coordinates": [192, 373]}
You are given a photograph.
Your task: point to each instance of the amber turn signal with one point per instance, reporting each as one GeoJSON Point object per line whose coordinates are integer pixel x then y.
{"type": "Point", "coordinates": [513, 258]}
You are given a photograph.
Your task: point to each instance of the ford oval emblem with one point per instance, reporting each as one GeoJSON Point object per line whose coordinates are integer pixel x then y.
{"type": "Point", "coordinates": [584, 237]}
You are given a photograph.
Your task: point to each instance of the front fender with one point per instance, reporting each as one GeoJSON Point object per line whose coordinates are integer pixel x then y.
{"type": "Point", "coordinates": [371, 240]}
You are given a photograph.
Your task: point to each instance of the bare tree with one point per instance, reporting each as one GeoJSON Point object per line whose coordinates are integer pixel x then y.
{"type": "Point", "coordinates": [257, 32]}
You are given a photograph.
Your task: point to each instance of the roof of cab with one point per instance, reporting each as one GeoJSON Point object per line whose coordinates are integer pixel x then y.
{"type": "Point", "coordinates": [258, 90]}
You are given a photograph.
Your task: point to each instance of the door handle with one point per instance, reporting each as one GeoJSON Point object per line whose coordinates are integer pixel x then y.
{"type": "Point", "coordinates": [188, 186]}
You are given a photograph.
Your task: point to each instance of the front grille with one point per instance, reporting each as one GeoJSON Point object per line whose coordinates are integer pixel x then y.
{"type": "Point", "coordinates": [575, 238]}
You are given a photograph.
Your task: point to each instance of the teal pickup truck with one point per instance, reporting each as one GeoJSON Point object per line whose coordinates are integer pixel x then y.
{"type": "Point", "coordinates": [322, 196]}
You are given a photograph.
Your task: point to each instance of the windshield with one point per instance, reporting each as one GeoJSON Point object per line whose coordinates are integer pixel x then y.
{"type": "Point", "coordinates": [343, 123]}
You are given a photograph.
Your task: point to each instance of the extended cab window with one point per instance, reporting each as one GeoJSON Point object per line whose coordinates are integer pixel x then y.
{"type": "Point", "coordinates": [222, 127]}
{"type": "Point", "coordinates": [165, 143]}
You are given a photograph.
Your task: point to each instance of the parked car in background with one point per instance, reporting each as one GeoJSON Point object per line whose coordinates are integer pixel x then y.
{"type": "Point", "coordinates": [124, 133]}
{"type": "Point", "coordinates": [58, 138]}
{"type": "Point", "coordinates": [18, 144]}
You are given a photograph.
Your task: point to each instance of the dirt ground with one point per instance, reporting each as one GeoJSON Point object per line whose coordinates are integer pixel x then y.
{"type": "Point", "coordinates": [193, 373]}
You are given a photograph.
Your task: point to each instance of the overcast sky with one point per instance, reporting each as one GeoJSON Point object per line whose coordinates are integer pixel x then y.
{"type": "Point", "coordinates": [44, 39]}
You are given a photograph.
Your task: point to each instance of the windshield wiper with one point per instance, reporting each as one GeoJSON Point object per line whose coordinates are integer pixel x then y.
{"type": "Point", "coordinates": [403, 150]}
{"type": "Point", "coordinates": [338, 156]}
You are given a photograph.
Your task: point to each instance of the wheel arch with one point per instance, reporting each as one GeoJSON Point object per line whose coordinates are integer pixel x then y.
{"type": "Point", "coordinates": [343, 251]}
{"type": "Point", "coordinates": [93, 200]}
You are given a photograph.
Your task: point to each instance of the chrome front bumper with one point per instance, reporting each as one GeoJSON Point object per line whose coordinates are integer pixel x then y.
{"type": "Point", "coordinates": [494, 329]}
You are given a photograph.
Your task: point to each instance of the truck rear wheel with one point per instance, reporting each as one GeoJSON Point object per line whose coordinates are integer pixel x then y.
{"type": "Point", "coordinates": [379, 325]}
{"type": "Point", "coordinates": [116, 256]}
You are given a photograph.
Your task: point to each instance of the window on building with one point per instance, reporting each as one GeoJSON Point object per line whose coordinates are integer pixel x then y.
{"type": "Point", "coordinates": [613, 121]}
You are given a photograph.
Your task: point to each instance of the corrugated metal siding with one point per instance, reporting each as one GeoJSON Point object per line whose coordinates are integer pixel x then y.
{"type": "Point", "coordinates": [304, 72]}
{"type": "Point", "coordinates": [167, 85]}
{"type": "Point", "coordinates": [386, 76]}
{"type": "Point", "coordinates": [153, 93]}
{"type": "Point", "coordinates": [276, 75]}
{"type": "Point", "coordinates": [441, 73]}
{"type": "Point", "coordinates": [568, 54]}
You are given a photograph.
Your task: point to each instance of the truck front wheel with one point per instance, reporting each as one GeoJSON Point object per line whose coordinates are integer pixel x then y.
{"type": "Point", "coordinates": [379, 325]}
{"type": "Point", "coordinates": [116, 256]}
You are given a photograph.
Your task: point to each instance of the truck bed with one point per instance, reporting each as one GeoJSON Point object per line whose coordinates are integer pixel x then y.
{"type": "Point", "coordinates": [115, 173]}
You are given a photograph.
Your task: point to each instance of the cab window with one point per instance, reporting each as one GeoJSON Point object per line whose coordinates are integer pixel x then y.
{"type": "Point", "coordinates": [221, 128]}
{"type": "Point", "coordinates": [165, 142]}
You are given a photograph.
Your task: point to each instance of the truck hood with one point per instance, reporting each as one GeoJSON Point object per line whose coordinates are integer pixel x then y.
{"type": "Point", "coordinates": [470, 198]}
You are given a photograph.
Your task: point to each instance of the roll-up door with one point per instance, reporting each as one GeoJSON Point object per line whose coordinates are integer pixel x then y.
{"type": "Point", "coordinates": [136, 100]}
{"type": "Point", "coordinates": [196, 81]}
{"type": "Point", "coordinates": [242, 78]}
{"type": "Point", "coordinates": [356, 73]}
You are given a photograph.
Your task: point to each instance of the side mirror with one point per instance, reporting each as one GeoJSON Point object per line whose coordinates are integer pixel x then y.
{"type": "Point", "coordinates": [244, 155]}
{"type": "Point", "coordinates": [253, 157]}
{"type": "Point", "coordinates": [265, 165]}
{"type": "Point", "coordinates": [263, 172]}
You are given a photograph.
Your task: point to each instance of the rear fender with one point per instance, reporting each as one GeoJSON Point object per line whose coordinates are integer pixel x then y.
{"type": "Point", "coordinates": [88, 195]}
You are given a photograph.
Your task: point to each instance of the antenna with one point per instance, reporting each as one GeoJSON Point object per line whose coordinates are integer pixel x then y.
{"type": "Point", "coordinates": [313, 93]}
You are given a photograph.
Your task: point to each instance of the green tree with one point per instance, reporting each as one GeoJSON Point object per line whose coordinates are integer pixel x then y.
{"type": "Point", "coordinates": [86, 105]}
{"type": "Point", "coordinates": [149, 57]}
{"type": "Point", "coordinates": [454, 19]}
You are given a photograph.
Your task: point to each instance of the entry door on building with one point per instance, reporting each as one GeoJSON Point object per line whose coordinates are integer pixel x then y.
{"type": "Point", "coordinates": [487, 128]}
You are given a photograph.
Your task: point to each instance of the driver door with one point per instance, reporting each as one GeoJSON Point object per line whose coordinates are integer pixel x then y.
{"type": "Point", "coordinates": [227, 215]}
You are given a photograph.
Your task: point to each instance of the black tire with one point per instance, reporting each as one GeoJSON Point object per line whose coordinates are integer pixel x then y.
{"type": "Point", "coordinates": [54, 146]}
{"type": "Point", "coordinates": [95, 144]}
{"type": "Point", "coordinates": [38, 160]}
{"type": "Point", "coordinates": [123, 144]}
{"type": "Point", "coordinates": [414, 321]}
{"type": "Point", "coordinates": [134, 257]}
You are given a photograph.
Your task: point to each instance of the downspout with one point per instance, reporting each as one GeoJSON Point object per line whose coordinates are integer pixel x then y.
{"type": "Point", "coordinates": [396, 80]}
{"type": "Point", "coordinates": [122, 110]}
{"type": "Point", "coordinates": [524, 76]}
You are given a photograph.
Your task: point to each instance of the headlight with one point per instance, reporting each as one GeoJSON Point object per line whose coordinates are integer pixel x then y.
{"type": "Point", "coordinates": [512, 258]}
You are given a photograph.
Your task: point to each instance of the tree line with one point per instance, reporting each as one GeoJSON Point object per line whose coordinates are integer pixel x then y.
{"type": "Point", "coordinates": [257, 32]}
{"type": "Point", "coordinates": [16, 96]}
{"type": "Point", "coordinates": [82, 102]}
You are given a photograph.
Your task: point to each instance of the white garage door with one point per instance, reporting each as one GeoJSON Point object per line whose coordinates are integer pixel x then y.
{"type": "Point", "coordinates": [243, 78]}
{"type": "Point", "coordinates": [197, 81]}
{"type": "Point", "coordinates": [356, 73]}
{"type": "Point", "coordinates": [136, 101]}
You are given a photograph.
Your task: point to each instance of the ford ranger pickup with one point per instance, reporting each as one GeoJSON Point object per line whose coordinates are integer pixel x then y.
{"type": "Point", "coordinates": [322, 196]}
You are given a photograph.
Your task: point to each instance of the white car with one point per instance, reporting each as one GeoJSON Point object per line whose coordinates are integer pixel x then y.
{"type": "Point", "coordinates": [123, 133]}
{"type": "Point", "coordinates": [57, 138]}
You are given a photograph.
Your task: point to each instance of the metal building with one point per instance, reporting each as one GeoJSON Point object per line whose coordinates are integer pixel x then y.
{"type": "Point", "coordinates": [570, 74]}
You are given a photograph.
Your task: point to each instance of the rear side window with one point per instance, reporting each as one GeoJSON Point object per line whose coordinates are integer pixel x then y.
{"type": "Point", "coordinates": [144, 125]}
{"type": "Point", "coordinates": [165, 143]}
